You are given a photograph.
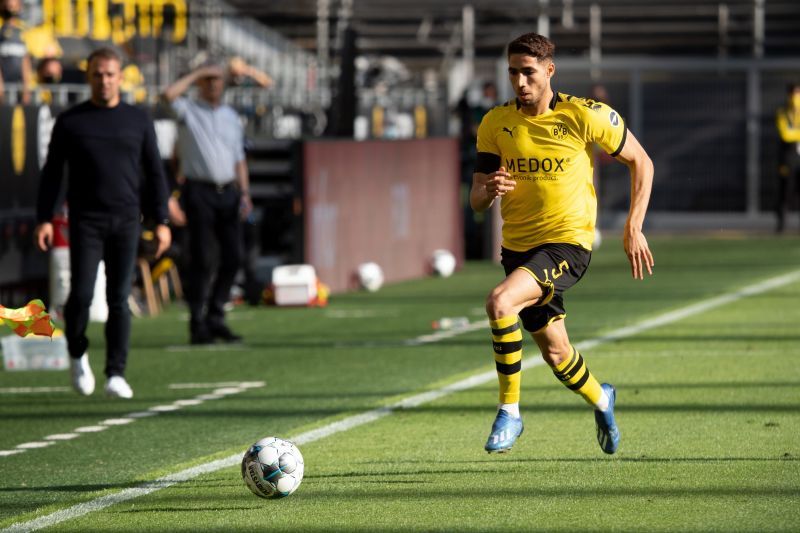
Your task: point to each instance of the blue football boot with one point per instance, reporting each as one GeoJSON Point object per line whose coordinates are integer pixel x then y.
{"type": "Point", "coordinates": [607, 430]}
{"type": "Point", "coordinates": [505, 431]}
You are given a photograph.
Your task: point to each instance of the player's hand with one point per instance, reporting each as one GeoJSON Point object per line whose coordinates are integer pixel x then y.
{"type": "Point", "coordinates": [499, 183]}
{"type": "Point", "coordinates": [43, 236]}
{"type": "Point", "coordinates": [638, 252]}
{"type": "Point", "coordinates": [163, 238]}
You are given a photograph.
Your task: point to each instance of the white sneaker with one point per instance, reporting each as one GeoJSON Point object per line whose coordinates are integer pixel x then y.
{"type": "Point", "coordinates": [117, 387]}
{"type": "Point", "coordinates": [82, 376]}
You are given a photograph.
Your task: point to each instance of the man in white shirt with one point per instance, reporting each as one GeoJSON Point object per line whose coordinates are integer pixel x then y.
{"type": "Point", "coordinates": [216, 195]}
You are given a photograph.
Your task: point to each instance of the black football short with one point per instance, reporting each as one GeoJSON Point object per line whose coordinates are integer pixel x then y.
{"type": "Point", "coordinates": [556, 267]}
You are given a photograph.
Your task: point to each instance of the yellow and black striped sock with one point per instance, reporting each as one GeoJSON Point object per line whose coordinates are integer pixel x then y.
{"type": "Point", "coordinates": [507, 344]}
{"type": "Point", "coordinates": [575, 375]}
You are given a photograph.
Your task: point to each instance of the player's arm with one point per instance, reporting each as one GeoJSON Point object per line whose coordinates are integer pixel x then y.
{"type": "Point", "coordinates": [490, 180]}
{"type": "Point", "coordinates": [787, 133]}
{"type": "Point", "coordinates": [50, 180]}
{"type": "Point", "coordinates": [634, 241]}
{"type": "Point", "coordinates": [487, 187]}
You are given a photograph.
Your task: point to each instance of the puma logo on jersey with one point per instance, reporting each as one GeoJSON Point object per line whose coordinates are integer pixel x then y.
{"type": "Point", "coordinates": [509, 131]}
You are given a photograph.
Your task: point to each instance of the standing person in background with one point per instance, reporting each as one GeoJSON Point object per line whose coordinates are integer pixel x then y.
{"type": "Point", "coordinates": [110, 149]}
{"type": "Point", "coordinates": [535, 153]}
{"type": "Point", "coordinates": [787, 120]}
{"type": "Point", "coordinates": [216, 196]}
{"type": "Point", "coordinates": [15, 62]}
{"type": "Point", "coordinates": [49, 72]}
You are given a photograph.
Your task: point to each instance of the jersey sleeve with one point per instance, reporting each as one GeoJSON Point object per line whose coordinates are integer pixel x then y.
{"type": "Point", "coordinates": [606, 128]}
{"type": "Point", "coordinates": [488, 156]}
{"type": "Point", "coordinates": [486, 137]}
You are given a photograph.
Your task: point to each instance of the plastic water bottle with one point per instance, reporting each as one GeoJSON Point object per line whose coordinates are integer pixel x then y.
{"type": "Point", "coordinates": [451, 322]}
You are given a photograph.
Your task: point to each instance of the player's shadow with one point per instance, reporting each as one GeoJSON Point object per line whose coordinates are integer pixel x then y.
{"type": "Point", "coordinates": [422, 468]}
{"type": "Point", "coordinates": [311, 412]}
{"type": "Point", "coordinates": [495, 461]}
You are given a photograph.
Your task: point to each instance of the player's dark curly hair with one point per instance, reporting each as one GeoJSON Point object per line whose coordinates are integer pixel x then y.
{"type": "Point", "coordinates": [533, 44]}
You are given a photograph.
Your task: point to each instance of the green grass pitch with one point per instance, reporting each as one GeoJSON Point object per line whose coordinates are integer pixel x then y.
{"type": "Point", "coordinates": [708, 405]}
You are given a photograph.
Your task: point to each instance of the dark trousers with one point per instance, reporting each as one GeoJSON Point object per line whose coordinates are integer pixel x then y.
{"type": "Point", "coordinates": [114, 239]}
{"type": "Point", "coordinates": [211, 212]}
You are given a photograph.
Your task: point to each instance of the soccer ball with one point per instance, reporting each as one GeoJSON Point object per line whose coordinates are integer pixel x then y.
{"type": "Point", "coordinates": [272, 468]}
{"type": "Point", "coordinates": [443, 263]}
{"type": "Point", "coordinates": [370, 276]}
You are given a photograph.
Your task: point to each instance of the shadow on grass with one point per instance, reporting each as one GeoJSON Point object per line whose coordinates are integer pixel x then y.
{"type": "Point", "coordinates": [501, 462]}
{"type": "Point", "coordinates": [89, 487]}
{"type": "Point", "coordinates": [282, 411]}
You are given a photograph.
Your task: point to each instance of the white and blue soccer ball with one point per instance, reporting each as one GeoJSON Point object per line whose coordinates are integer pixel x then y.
{"type": "Point", "coordinates": [272, 468]}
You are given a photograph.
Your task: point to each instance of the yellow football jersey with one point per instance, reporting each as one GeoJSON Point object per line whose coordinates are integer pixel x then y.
{"type": "Point", "coordinates": [550, 158]}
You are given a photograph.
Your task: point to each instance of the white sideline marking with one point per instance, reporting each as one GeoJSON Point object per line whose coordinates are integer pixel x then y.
{"type": "Point", "coordinates": [32, 390]}
{"type": "Point", "coordinates": [142, 414]}
{"type": "Point", "coordinates": [164, 408]}
{"type": "Point", "coordinates": [132, 417]}
{"type": "Point", "coordinates": [34, 445]}
{"type": "Point", "coordinates": [370, 416]}
{"type": "Point", "coordinates": [210, 396]}
{"type": "Point", "coordinates": [90, 429]}
{"type": "Point", "coordinates": [243, 384]}
{"type": "Point", "coordinates": [62, 436]}
{"type": "Point", "coordinates": [187, 403]}
{"type": "Point", "coordinates": [116, 421]}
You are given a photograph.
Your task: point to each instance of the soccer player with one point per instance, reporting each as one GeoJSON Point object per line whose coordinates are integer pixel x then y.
{"type": "Point", "coordinates": [535, 152]}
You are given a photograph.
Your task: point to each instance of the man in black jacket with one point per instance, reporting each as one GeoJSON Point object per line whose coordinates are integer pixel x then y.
{"type": "Point", "coordinates": [110, 151]}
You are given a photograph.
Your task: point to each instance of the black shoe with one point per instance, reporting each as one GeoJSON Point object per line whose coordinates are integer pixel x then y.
{"type": "Point", "coordinates": [201, 336]}
{"type": "Point", "coordinates": [223, 333]}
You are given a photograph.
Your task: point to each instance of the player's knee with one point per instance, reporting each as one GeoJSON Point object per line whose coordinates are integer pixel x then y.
{"type": "Point", "coordinates": [499, 304]}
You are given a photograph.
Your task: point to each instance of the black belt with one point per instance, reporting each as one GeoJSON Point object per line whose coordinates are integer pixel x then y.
{"type": "Point", "coordinates": [220, 188]}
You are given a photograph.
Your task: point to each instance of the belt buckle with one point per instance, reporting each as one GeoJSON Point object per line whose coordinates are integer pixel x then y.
{"type": "Point", "coordinates": [220, 188]}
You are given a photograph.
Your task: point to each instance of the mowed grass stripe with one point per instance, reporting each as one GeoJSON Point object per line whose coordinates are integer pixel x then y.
{"type": "Point", "coordinates": [412, 401]}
